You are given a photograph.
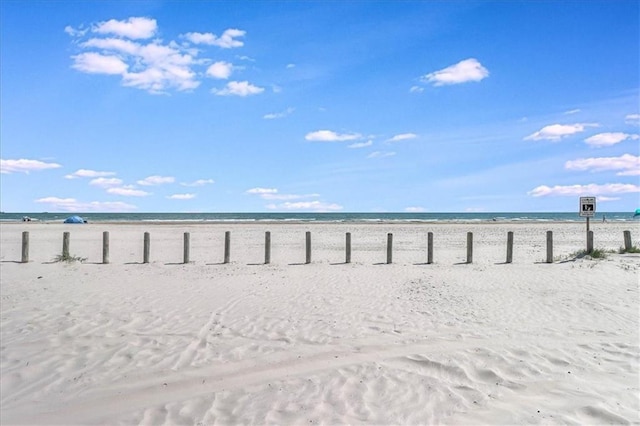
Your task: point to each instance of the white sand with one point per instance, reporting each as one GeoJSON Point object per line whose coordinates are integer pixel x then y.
{"type": "Point", "coordinates": [328, 342]}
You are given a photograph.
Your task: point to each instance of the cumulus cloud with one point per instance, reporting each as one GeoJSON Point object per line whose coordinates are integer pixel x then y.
{"type": "Point", "coordinates": [181, 196]}
{"type": "Point", "coordinates": [128, 191]}
{"type": "Point", "coordinates": [25, 166]}
{"type": "Point", "coordinates": [331, 136]}
{"type": "Point", "coordinates": [361, 144]}
{"type": "Point", "coordinates": [227, 40]}
{"type": "Point", "coordinates": [381, 154]}
{"type": "Point", "coordinates": [632, 119]}
{"type": "Point", "coordinates": [577, 190]}
{"type": "Point", "coordinates": [238, 88]}
{"type": "Point", "coordinates": [275, 115]}
{"type": "Point", "coordinates": [122, 48]}
{"type": "Point", "coordinates": [556, 132]}
{"type": "Point", "coordinates": [402, 137]}
{"type": "Point", "coordinates": [199, 182]}
{"type": "Point", "coordinates": [627, 164]}
{"type": "Point", "coordinates": [134, 28]}
{"type": "Point", "coordinates": [156, 180]}
{"type": "Point", "coordinates": [462, 72]}
{"type": "Point", "coordinates": [273, 194]}
{"type": "Point", "coordinates": [607, 139]}
{"type": "Point", "coordinates": [220, 70]}
{"type": "Point", "coordinates": [316, 206]}
{"type": "Point", "coordinates": [73, 205]}
{"type": "Point", "coordinates": [106, 182]}
{"type": "Point", "coordinates": [85, 173]}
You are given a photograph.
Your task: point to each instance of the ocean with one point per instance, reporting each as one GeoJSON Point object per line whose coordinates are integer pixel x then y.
{"type": "Point", "coordinates": [320, 217]}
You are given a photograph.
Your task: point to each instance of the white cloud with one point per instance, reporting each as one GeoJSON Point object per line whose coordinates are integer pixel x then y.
{"type": "Point", "coordinates": [289, 66]}
{"type": "Point", "coordinates": [128, 191]}
{"type": "Point", "coordinates": [84, 173]}
{"type": "Point", "coordinates": [75, 32]}
{"type": "Point", "coordinates": [25, 166]}
{"type": "Point", "coordinates": [220, 70]}
{"type": "Point", "coordinates": [331, 136]}
{"type": "Point", "coordinates": [627, 164]}
{"type": "Point", "coordinates": [227, 40]}
{"type": "Point", "coordinates": [462, 72]}
{"type": "Point", "coordinates": [572, 111]}
{"type": "Point", "coordinates": [272, 194]}
{"type": "Point", "coordinates": [152, 65]}
{"type": "Point", "coordinates": [415, 209]}
{"type": "Point", "coordinates": [416, 89]}
{"type": "Point", "coordinates": [106, 182]}
{"type": "Point", "coordinates": [181, 196]}
{"type": "Point", "coordinates": [238, 88]}
{"type": "Point", "coordinates": [577, 190]}
{"type": "Point", "coordinates": [275, 115]}
{"type": "Point", "coordinates": [72, 205]}
{"type": "Point", "coordinates": [361, 144]}
{"type": "Point", "coordinates": [402, 137]}
{"type": "Point", "coordinates": [555, 132]}
{"type": "Point", "coordinates": [606, 139]}
{"type": "Point", "coordinates": [261, 191]}
{"type": "Point", "coordinates": [381, 154]}
{"type": "Point", "coordinates": [95, 63]}
{"type": "Point", "coordinates": [632, 119]}
{"type": "Point", "coordinates": [134, 28]}
{"type": "Point", "coordinates": [199, 182]}
{"type": "Point", "coordinates": [317, 206]}
{"type": "Point", "coordinates": [156, 180]}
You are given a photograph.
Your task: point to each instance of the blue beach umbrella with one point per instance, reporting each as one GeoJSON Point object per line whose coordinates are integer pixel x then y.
{"type": "Point", "coordinates": [637, 213]}
{"type": "Point", "coordinates": [74, 219]}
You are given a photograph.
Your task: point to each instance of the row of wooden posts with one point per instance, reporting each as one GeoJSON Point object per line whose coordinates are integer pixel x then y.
{"type": "Point", "coordinates": [267, 246]}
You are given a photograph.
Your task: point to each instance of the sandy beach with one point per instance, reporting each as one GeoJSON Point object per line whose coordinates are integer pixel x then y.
{"type": "Point", "coordinates": [327, 342]}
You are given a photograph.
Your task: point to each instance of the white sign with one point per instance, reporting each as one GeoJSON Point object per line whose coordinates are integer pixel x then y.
{"type": "Point", "coordinates": [587, 206]}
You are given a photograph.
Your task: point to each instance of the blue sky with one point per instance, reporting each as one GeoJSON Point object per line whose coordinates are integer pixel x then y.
{"type": "Point", "coordinates": [355, 106]}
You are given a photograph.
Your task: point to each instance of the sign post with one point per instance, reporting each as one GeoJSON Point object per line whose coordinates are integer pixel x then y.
{"type": "Point", "coordinates": [588, 210]}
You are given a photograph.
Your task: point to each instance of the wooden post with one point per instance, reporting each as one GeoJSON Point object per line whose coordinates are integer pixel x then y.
{"type": "Point", "coordinates": [509, 246]}
{"type": "Point", "coordinates": [469, 247]}
{"type": "Point", "coordinates": [590, 242]}
{"type": "Point", "coordinates": [429, 248]}
{"type": "Point", "coordinates": [187, 247]}
{"type": "Point", "coordinates": [588, 251]}
{"type": "Point", "coordinates": [105, 247]}
{"type": "Point", "coordinates": [308, 247]}
{"type": "Point", "coordinates": [147, 246]}
{"type": "Point", "coordinates": [25, 247]}
{"type": "Point", "coordinates": [65, 245]}
{"type": "Point", "coordinates": [389, 248]}
{"type": "Point", "coordinates": [227, 246]}
{"type": "Point", "coordinates": [348, 248]}
{"type": "Point", "coordinates": [267, 248]}
{"type": "Point", "coordinates": [627, 241]}
{"type": "Point", "coordinates": [549, 246]}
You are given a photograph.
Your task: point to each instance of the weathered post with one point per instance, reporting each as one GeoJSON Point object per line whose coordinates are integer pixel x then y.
{"type": "Point", "coordinates": [227, 246]}
{"type": "Point", "coordinates": [348, 248]}
{"type": "Point", "coordinates": [627, 240]}
{"type": "Point", "coordinates": [308, 247]}
{"type": "Point", "coordinates": [105, 247]}
{"type": "Point", "coordinates": [267, 248]}
{"type": "Point", "coordinates": [469, 247]}
{"type": "Point", "coordinates": [65, 245]}
{"type": "Point", "coordinates": [145, 251]}
{"type": "Point", "coordinates": [186, 247]}
{"type": "Point", "coordinates": [590, 242]}
{"type": "Point", "coordinates": [389, 248]}
{"type": "Point", "coordinates": [25, 247]}
{"type": "Point", "coordinates": [429, 248]}
{"type": "Point", "coordinates": [509, 246]}
{"type": "Point", "coordinates": [549, 246]}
